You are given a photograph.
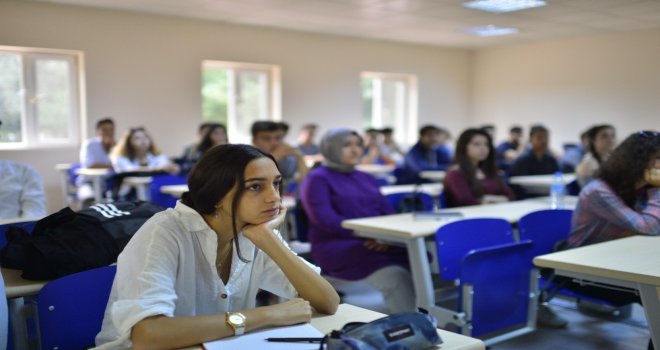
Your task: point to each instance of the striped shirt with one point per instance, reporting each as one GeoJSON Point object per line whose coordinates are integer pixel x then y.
{"type": "Point", "coordinates": [601, 215]}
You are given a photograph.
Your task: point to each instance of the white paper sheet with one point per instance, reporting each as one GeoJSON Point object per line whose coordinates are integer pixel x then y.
{"type": "Point", "coordinates": [257, 339]}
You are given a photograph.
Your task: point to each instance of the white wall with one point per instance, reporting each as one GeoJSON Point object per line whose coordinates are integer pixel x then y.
{"type": "Point", "coordinates": [571, 84]}
{"type": "Point", "coordinates": [145, 70]}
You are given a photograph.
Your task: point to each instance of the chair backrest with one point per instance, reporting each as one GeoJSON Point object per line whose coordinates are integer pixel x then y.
{"type": "Point", "coordinates": [404, 202]}
{"type": "Point", "coordinates": [26, 225]}
{"type": "Point", "coordinates": [495, 285]}
{"type": "Point", "coordinates": [71, 308]}
{"type": "Point", "coordinates": [164, 199]}
{"type": "Point", "coordinates": [455, 239]}
{"type": "Point", "coordinates": [545, 228]}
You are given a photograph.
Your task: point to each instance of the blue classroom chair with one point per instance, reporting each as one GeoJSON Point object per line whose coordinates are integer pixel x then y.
{"type": "Point", "coordinates": [164, 199]}
{"type": "Point", "coordinates": [454, 240]}
{"type": "Point", "coordinates": [496, 293]}
{"type": "Point", "coordinates": [71, 308]}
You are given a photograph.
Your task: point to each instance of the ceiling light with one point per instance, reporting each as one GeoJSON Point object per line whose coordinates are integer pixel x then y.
{"type": "Point", "coordinates": [490, 30]}
{"type": "Point", "coordinates": [499, 6]}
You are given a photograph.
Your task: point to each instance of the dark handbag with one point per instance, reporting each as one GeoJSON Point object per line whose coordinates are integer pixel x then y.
{"type": "Point", "coordinates": [402, 331]}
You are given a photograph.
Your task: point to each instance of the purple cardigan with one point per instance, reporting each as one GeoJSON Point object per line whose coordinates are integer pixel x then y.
{"type": "Point", "coordinates": [329, 197]}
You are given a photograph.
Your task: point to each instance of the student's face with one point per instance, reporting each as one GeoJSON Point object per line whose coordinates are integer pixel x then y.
{"type": "Point", "coordinates": [605, 141]}
{"type": "Point", "coordinates": [260, 201]}
{"type": "Point", "coordinates": [266, 141]}
{"type": "Point", "coordinates": [430, 139]}
{"type": "Point", "coordinates": [140, 141]}
{"type": "Point", "coordinates": [515, 136]}
{"type": "Point", "coordinates": [539, 141]}
{"type": "Point", "coordinates": [477, 148]}
{"type": "Point", "coordinates": [351, 152]}
{"type": "Point", "coordinates": [107, 133]}
{"type": "Point", "coordinates": [219, 136]}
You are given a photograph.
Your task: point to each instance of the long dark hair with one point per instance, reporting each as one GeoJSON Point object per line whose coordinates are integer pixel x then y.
{"type": "Point", "coordinates": [215, 175]}
{"type": "Point", "coordinates": [207, 142]}
{"type": "Point", "coordinates": [592, 133]}
{"type": "Point", "coordinates": [626, 165]}
{"type": "Point", "coordinates": [487, 166]}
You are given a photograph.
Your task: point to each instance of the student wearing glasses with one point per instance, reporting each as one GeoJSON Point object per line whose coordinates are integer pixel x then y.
{"type": "Point", "coordinates": [191, 274]}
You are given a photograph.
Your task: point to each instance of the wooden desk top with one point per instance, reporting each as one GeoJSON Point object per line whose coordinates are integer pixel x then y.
{"type": "Point", "coordinates": [15, 286]}
{"type": "Point", "coordinates": [633, 259]}
{"type": "Point", "coordinates": [406, 226]}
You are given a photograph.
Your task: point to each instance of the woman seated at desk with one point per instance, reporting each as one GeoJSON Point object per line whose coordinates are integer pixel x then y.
{"type": "Point", "coordinates": [472, 178]}
{"type": "Point", "coordinates": [602, 140]}
{"type": "Point", "coordinates": [623, 201]}
{"type": "Point", "coordinates": [215, 134]}
{"type": "Point", "coordinates": [191, 274]}
{"type": "Point", "coordinates": [336, 191]}
{"type": "Point", "coordinates": [136, 151]}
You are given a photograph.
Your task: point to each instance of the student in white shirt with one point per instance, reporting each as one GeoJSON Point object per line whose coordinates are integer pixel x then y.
{"type": "Point", "coordinates": [21, 191]}
{"type": "Point", "coordinates": [95, 153]}
{"type": "Point", "coordinates": [191, 274]}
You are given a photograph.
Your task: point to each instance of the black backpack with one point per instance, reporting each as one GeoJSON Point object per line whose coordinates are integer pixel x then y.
{"type": "Point", "coordinates": [67, 242]}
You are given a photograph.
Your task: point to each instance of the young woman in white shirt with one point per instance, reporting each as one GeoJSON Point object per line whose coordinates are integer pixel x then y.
{"type": "Point", "coordinates": [191, 273]}
{"type": "Point", "coordinates": [136, 151]}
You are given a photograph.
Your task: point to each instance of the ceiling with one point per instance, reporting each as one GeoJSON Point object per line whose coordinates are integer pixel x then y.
{"type": "Point", "coordinates": [429, 22]}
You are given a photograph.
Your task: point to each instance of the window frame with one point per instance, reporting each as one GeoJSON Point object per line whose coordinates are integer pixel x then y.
{"type": "Point", "coordinates": [273, 105]}
{"type": "Point", "coordinates": [29, 117]}
{"type": "Point", "coordinates": [405, 127]}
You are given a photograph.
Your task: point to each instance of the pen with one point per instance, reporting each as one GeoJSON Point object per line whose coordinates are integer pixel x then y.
{"type": "Point", "coordinates": [295, 340]}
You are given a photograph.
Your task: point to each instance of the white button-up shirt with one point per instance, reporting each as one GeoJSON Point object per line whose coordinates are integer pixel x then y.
{"type": "Point", "coordinates": [21, 191]}
{"type": "Point", "coordinates": [169, 268]}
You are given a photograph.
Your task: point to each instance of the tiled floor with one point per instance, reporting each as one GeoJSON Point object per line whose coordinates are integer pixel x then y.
{"type": "Point", "coordinates": [583, 332]}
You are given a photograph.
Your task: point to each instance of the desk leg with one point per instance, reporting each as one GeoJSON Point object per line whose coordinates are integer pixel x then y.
{"type": "Point", "coordinates": [143, 192]}
{"type": "Point", "coordinates": [18, 322]}
{"type": "Point", "coordinates": [98, 192]}
{"type": "Point", "coordinates": [651, 300]}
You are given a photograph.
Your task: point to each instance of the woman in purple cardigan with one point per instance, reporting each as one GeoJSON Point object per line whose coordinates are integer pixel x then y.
{"type": "Point", "coordinates": [336, 191]}
{"type": "Point", "coordinates": [473, 179]}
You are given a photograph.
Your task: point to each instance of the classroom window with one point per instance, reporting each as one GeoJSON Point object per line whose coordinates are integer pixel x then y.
{"type": "Point", "coordinates": [39, 97]}
{"type": "Point", "coordinates": [390, 100]}
{"type": "Point", "coordinates": [238, 94]}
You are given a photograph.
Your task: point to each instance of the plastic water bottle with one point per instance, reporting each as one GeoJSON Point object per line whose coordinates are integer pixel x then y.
{"type": "Point", "coordinates": [557, 190]}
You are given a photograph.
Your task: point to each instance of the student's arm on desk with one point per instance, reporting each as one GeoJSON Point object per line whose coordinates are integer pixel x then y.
{"type": "Point", "coordinates": [160, 332]}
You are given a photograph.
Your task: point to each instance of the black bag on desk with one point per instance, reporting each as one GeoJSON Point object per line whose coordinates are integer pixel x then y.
{"type": "Point", "coordinates": [68, 242]}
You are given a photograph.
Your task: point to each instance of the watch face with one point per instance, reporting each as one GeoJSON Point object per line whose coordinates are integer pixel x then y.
{"type": "Point", "coordinates": [235, 319]}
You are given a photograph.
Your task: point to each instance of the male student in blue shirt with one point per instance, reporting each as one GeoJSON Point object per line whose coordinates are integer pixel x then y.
{"type": "Point", "coordinates": [426, 154]}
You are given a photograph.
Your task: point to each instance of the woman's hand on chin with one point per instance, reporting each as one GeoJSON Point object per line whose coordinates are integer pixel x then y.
{"type": "Point", "coordinates": [261, 233]}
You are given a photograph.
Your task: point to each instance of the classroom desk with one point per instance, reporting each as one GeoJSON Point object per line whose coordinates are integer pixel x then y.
{"type": "Point", "coordinates": [141, 185]}
{"type": "Point", "coordinates": [97, 175]}
{"type": "Point", "coordinates": [16, 289]}
{"type": "Point", "coordinates": [404, 229]}
{"type": "Point", "coordinates": [432, 189]}
{"type": "Point", "coordinates": [350, 313]}
{"type": "Point", "coordinates": [375, 169]}
{"type": "Point", "coordinates": [632, 262]}
{"type": "Point", "coordinates": [539, 181]}
{"type": "Point", "coordinates": [433, 175]}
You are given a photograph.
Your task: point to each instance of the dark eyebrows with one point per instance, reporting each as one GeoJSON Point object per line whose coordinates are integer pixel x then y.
{"type": "Point", "coordinates": [261, 179]}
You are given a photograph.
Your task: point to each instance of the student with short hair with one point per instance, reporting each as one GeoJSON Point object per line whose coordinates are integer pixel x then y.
{"type": "Point", "coordinates": [191, 274]}
{"type": "Point", "coordinates": [473, 178]}
{"type": "Point", "coordinates": [427, 154]}
{"type": "Point", "coordinates": [95, 153]}
{"type": "Point", "coordinates": [537, 160]}
{"type": "Point", "coordinates": [269, 136]}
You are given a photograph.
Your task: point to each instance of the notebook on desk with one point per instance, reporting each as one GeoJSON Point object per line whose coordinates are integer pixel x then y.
{"type": "Point", "coordinates": [257, 339]}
